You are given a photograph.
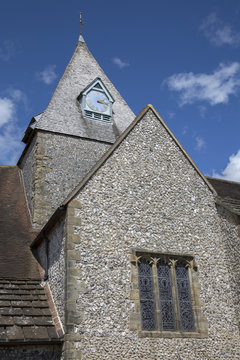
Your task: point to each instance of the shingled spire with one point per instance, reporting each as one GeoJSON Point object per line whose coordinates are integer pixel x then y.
{"type": "Point", "coordinates": [64, 114]}
{"type": "Point", "coordinates": [66, 140]}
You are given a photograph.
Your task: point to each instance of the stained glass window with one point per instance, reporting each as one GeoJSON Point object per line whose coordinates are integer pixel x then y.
{"type": "Point", "coordinates": [184, 298]}
{"type": "Point", "coordinates": [166, 297]}
{"type": "Point", "coordinates": [147, 296]}
{"type": "Point", "coordinates": [165, 294]}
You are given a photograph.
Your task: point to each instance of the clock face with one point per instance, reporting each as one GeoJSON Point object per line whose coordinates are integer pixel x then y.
{"type": "Point", "coordinates": [97, 101]}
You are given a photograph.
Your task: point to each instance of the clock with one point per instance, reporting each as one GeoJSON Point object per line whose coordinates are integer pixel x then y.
{"type": "Point", "coordinates": [97, 101]}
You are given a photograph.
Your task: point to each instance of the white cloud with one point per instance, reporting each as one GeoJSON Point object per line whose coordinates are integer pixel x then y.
{"type": "Point", "coordinates": [213, 88]}
{"type": "Point", "coordinates": [170, 114]}
{"type": "Point", "coordinates": [19, 96]}
{"type": "Point", "coordinates": [48, 75]}
{"type": "Point", "coordinates": [232, 170]}
{"type": "Point", "coordinates": [185, 130]}
{"type": "Point", "coordinates": [7, 50]}
{"type": "Point", "coordinates": [7, 110]}
{"type": "Point", "coordinates": [121, 64]}
{"type": "Point", "coordinates": [10, 132]}
{"type": "Point", "coordinates": [200, 143]}
{"type": "Point", "coordinates": [219, 33]}
{"type": "Point", "coordinates": [202, 110]}
{"type": "Point", "coordinates": [10, 144]}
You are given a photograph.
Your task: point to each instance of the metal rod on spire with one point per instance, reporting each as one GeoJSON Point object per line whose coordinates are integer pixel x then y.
{"type": "Point", "coordinates": [81, 23]}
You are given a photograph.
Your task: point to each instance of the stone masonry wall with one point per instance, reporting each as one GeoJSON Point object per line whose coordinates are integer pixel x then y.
{"type": "Point", "coordinates": [53, 167]}
{"type": "Point", "coordinates": [147, 195]}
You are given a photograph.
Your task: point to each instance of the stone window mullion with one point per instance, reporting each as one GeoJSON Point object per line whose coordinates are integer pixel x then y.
{"type": "Point", "coordinates": [156, 294]}
{"type": "Point", "coordinates": [172, 264]}
{"type": "Point", "coordinates": [191, 283]}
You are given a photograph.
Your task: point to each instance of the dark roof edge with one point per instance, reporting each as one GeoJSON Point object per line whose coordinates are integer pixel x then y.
{"type": "Point", "coordinates": [31, 342]}
{"type": "Point", "coordinates": [102, 160]}
{"type": "Point", "coordinates": [8, 166]}
{"type": "Point", "coordinates": [219, 202]}
{"type": "Point", "coordinates": [223, 180]}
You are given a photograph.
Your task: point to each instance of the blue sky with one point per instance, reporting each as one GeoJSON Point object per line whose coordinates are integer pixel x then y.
{"type": "Point", "coordinates": [183, 57]}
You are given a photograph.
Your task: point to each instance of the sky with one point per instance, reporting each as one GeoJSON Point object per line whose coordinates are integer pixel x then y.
{"type": "Point", "coordinates": [183, 57]}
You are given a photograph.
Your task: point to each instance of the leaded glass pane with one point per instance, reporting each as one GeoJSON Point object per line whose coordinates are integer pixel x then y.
{"type": "Point", "coordinates": [166, 297]}
{"type": "Point", "coordinates": [146, 296]}
{"type": "Point", "coordinates": [184, 298]}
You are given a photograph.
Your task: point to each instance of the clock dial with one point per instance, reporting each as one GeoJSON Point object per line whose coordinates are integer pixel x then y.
{"type": "Point", "coordinates": [97, 101]}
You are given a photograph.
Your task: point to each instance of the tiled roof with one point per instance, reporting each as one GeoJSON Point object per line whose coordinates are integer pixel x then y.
{"type": "Point", "coordinates": [228, 193]}
{"type": "Point", "coordinates": [16, 233]}
{"type": "Point", "coordinates": [24, 313]}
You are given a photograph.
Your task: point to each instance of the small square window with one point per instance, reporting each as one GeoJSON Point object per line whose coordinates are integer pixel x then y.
{"type": "Point", "coordinates": [168, 297]}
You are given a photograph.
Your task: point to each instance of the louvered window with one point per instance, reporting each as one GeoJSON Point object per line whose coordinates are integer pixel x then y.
{"type": "Point", "coordinates": [166, 302]}
{"type": "Point", "coordinates": [97, 116]}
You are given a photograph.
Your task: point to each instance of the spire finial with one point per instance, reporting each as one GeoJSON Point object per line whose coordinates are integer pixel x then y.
{"type": "Point", "coordinates": [81, 23]}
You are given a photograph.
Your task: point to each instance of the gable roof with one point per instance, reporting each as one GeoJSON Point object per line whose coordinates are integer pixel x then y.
{"type": "Point", "coordinates": [118, 142]}
{"type": "Point", "coordinates": [70, 197]}
{"type": "Point", "coordinates": [16, 233]}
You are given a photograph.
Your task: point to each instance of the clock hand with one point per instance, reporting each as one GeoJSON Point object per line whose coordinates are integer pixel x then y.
{"type": "Point", "coordinates": [102, 102]}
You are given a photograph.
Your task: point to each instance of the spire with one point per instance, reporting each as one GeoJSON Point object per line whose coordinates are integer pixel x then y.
{"type": "Point", "coordinates": [81, 71]}
{"type": "Point", "coordinates": [81, 39]}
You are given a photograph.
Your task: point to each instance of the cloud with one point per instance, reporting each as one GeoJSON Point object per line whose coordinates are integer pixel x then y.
{"type": "Point", "coordinates": [232, 170]}
{"type": "Point", "coordinates": [200, 144]}
{"type": "Point", "coordinates": [10, 144]}
{"type": "Point", "coordinates": [7, 110]}
{"type": "Point", "coordinates": [185, 130]}
{"type": "Point", "coordinates": [202, 110]}
{"type": "Point", "coordinates": [213, 88]}
{"type": "Point", "coordinates": [7, 50]}
{"type": "Point", "coordinates": [121, 64]}
{"type": "Point", "coordinates": [48, 75]}
{"type": "Point", "coordinates": [19, 96]}
{"type": "Point", "coordinates": [219, 33]}
{"type": "Point", "coordinates": [10, 132]}
{"type": "Point", "coordinates": [170, 114]}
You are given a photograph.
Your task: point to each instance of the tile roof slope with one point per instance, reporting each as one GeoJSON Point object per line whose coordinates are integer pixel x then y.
{"type": "Point", "coordinates": [24, 310]}
{"type": "Point", "coordinates": [24, 313]}
{"type": "Point", "coordinates": [16, 233]}
{"type": "Point", "coordinates": [228, 193]}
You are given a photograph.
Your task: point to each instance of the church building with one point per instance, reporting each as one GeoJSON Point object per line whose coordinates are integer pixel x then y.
{"type": "Point", "coordinates": [113, 244]}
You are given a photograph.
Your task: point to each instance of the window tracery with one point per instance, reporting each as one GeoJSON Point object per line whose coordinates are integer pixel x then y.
{"type": "Point", "coordinates": [169, 303]}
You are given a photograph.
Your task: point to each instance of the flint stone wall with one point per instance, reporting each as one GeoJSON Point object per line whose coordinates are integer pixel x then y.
{"type": "Point", "coordinates": [53, 167]}
{"type": "Point", "coordinates": [147, 195]}
{"type": "Point", "coordinates": [55, 264]}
